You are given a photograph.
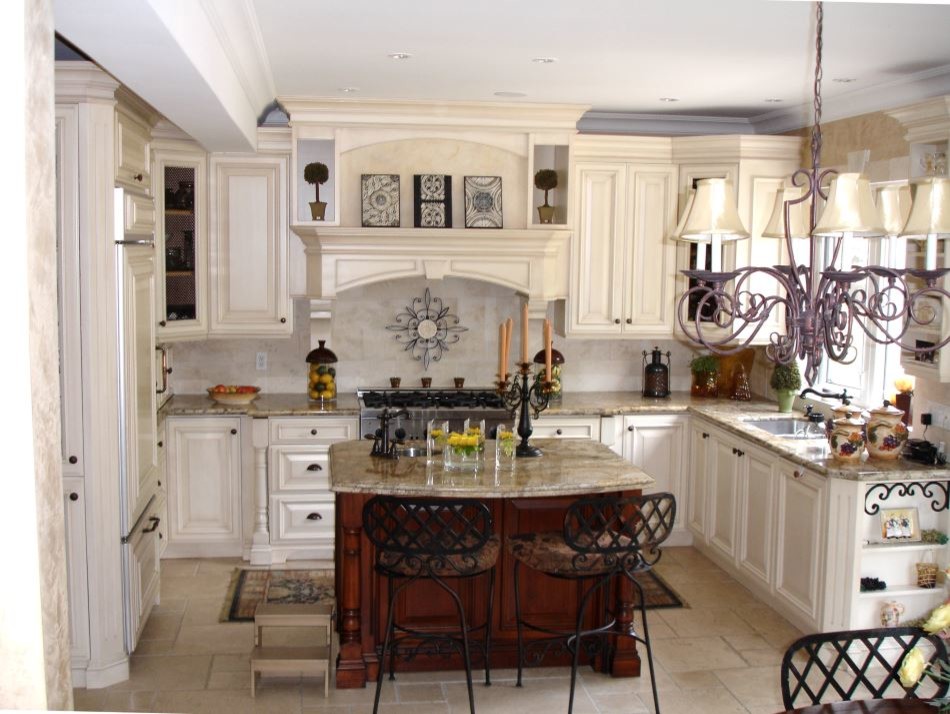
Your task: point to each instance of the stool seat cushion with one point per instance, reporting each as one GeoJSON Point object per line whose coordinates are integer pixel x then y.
{"type": "Point", "coordinates": [549, 553]}
{"type": "Point", "coordinates": [442, 566]}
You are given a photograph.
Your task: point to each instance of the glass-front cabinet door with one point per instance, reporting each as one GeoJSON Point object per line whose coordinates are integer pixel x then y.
{"type": "Point", "coordinates": [182, 237]}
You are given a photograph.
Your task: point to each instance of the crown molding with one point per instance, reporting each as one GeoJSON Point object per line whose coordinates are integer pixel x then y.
{"type": "Point", "coordinates": [925, 121]}
{"type": "Point", "coordinates": [608, 122]}
{"type": "Point", "coordinates": [83, 82]}
{"type": "Point", "coordinates": [627, 148]}
{"type": "Point", "coordinates": [490, 116]}
{"type": "Point", "coordinates": [712, 149]}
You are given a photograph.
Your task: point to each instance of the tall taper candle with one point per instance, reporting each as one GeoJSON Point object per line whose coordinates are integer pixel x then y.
{"type": "Point", "coordinates": [501, 352]}
{"type": "Point", "coordinates": [547, 350]}
{"type": "Point", "coordinates": [524, 333]}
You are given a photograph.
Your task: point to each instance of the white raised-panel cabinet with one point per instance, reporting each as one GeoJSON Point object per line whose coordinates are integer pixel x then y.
{"type": "Point", "coordinates": [144, 572]}
{"type": "Point", "coordinates": [77, 585]}
{"type": "Point", "coordinates": [722, 493]}
{"type": "Point", "coordinates": [623, 268]}
{"type": "Point", "coordinates": [250, 295]}
{"type": "Point", "coordinates": [204, 486]}
{"type": "Point", "coordinates": [697, 483]}
{"type": "Point", "coordinates": [756, 515]}
{"type": "Point", "coordinates": [799, 561]}
{"type": "Point", "coordinates": [132, 145]}
{"type": "Point", "coordinates": [656, 444]}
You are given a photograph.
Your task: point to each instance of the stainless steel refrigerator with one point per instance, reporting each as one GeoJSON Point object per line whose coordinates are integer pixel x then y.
{"type": "Point", "coordinates": [138, 448]}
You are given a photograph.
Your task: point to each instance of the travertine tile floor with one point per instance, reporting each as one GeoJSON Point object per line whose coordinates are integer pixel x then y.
{"type": "Point", "coordinates": [720, 655]}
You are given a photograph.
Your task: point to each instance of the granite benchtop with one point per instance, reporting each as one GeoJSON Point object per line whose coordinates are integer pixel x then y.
{"type": "Point", "coordinates": [567, 467]}
{"type": "Point", "coordinates": [727, 415]}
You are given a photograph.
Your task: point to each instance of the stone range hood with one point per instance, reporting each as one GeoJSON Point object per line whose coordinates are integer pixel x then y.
{"type": "Point", "coordinates": [533, 262]}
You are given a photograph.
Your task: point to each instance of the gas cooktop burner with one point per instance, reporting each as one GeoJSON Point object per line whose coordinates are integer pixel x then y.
{"type": "Point", "coordinates": [431, 399]}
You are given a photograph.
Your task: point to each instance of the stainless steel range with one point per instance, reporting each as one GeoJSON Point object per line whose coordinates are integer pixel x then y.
{"type": "Point", "coordinates": [423, 405]}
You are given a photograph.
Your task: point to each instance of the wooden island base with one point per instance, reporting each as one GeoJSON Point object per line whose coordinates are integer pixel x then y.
{"type": "Point", "coordinates": [361, 597]}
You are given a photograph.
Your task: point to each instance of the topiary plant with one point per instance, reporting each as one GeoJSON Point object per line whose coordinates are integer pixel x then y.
{"type": "Point", "coordinates": [785, 377]}
{"type": "Point", "coordinates": [703, 364]}
{"type": "Point", "coordinates": [316, 173]}
{"type": "Point", "coordinates": [545, 180]}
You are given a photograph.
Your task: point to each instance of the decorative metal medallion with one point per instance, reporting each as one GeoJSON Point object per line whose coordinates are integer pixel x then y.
{"type": "Point", "coordinates": [432, 204]}
{"type": "Point", "coordinates": [426, 328]}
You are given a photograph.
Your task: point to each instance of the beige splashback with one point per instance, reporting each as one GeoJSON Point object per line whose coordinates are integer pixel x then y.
{"type": "Point", "coordinates": [369, 354]}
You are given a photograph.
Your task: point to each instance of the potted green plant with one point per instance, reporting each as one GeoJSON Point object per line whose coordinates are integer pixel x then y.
{"type": "Point", "coordinates": [546, 180]}
{"type": "Point", "coordinates": [316, 174]}
{"type": "Point", "coordinates": [786, 381]}
{"type": "Point", "coordinates": [705, 369]}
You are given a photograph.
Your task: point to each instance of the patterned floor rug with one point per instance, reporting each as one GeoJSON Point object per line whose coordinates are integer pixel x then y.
{"type": "Point", "coordinates": [250, 587]}
{"type": "Point", "coordinates": [657, 592]}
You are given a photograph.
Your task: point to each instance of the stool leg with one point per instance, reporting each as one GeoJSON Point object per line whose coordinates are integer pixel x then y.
{"type": "Point", "coordinates": [491, 602]}
{"type": "Point", "coordinates": [465, 652]}
{"type": "Point", "coordinates": [518, 620]}
{"type": "Point", "coordinates": [390, 614]}
{"type": "Point", "coordinates": [646, 641]}
{"type": "Point", "coordinates": [581, 612]}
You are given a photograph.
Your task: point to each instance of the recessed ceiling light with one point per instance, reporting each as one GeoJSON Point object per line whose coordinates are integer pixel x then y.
{"type": "Point", "coordinates": [399, 55]}
{"type": "Point", "coordinates": [544, 60]}
{"type": "Point", "coordinates": [844, 80]}
{"type": "Point", "coordinates": [349, 90]}
{"type": "Point", "coordinates": [669, 99]}
{"type": "Point", "coordinates": [773, 101]}
{"type": "Point", "coordinates": [510, 94]}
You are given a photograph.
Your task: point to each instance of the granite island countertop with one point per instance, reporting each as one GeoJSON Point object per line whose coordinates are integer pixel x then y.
{"type": "Point", "coordinates": [567, 467]}
{"type": "Point", "coordinates": [724, 413]}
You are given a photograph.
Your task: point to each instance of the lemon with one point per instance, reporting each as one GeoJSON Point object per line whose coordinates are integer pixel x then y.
{"type": "Point", "coordinates": [313, 394]}
{"type": "Point", "coordinates": [326, 379]}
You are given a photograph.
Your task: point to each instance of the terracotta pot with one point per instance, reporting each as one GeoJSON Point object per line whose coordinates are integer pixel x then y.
{"type": "Point", "coordinates": [846, 439]}
{"type": "Point", "coordinates": [887, 433]}
{"type": "Point", "coordinates": [318, 210]}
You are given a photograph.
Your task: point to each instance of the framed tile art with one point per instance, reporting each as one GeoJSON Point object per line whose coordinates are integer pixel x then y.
{"type": "Point", "coordinates": [432, 201]}
{"type": "Point", "coordinates": [483, 202]}
{"type": "Point", "coordinates": [380, 194]}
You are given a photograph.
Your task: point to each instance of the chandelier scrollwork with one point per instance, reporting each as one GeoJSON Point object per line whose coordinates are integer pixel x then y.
{"type": "Point", "coordinates": [825, 310]}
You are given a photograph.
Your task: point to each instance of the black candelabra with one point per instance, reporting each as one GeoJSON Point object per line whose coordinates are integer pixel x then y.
{"type": "Point", "coordinates": [526, 398]}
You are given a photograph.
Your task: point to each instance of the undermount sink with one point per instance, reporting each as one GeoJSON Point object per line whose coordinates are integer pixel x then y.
{"type": "Point", "coordinates": [789, 427]}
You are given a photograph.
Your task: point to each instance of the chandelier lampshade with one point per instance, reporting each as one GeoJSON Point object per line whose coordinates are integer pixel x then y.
{"type": "Point", "coordinates": [929, 215]}
{"type": "Point", "coordinates": [893, 205]}
{"type": "Point", "coordinates": [713, 213]}
{"type": "Point", "coordinates": [797, 216]}
{"type": "Point", "coordinates": [850, 209]}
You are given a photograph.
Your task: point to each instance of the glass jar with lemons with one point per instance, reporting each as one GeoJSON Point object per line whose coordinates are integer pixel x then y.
{"type": "Point", "coordinates": [321, 381]}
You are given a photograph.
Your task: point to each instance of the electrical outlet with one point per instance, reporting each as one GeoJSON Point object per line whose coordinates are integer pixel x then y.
{"type": "Point", "coordinates": [261, 361]}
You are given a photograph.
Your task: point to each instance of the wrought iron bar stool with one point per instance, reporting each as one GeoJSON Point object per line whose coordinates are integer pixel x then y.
{"type": "Point", "coordinates": [603, 538]}
{"type": "Point", "coordinates": [435, 539]}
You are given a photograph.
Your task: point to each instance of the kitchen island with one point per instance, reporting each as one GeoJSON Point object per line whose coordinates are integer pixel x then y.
{"type": "Point", "coordinates": [533, 497]}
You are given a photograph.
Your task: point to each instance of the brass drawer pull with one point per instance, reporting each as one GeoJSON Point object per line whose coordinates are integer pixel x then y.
{"type": "Point", "coordinates": [314, 467]}
{"type": "Point", "coordinates": [314, 517]}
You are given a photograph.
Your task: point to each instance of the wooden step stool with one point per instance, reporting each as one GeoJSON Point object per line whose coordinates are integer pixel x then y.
{"type": "Point", "coordinates": [302, 660]}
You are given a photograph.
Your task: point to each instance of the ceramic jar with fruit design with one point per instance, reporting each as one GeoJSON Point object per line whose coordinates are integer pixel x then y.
{"type": "Point", "coordinates": [846, 438]}
{"type": "Point", "coordinates": [887, 434]}
{"type": "Point", "coordinates": [321, 382]}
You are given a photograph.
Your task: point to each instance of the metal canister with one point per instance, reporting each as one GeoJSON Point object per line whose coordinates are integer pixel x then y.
{"type": "Point", "coordinates": [656, 374]}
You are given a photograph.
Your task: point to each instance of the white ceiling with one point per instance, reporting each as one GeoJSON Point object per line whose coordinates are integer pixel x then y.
{"type": "Point", "coordinates": [720, 58]}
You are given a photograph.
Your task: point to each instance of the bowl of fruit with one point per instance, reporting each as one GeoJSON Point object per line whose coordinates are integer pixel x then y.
{"type": "Point", "coordinates": [233, 394]}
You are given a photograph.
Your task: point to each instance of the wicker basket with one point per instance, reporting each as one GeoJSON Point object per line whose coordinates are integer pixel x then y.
{"type": "Point", "coordinates": [926, 575]}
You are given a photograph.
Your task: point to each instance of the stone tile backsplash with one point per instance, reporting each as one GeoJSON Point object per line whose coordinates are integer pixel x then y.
{"type": "Point", "coordinates": [369, 354]}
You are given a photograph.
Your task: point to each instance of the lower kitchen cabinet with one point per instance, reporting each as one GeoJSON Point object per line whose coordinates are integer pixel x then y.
{"type": "Point", "coordinates": [77, 584]}
{"type": "Point", "coordinates": [799, 561]}
{"type": "Point", "coordinates": [756, 515]}
{"type": "Point", "coordinates": [144, 573]}
{"type": "Point", "coordinates": [204, 486]}
{"type": "Point", "coordinates": [656, 443]}
{"type": "Point", "coordinates": [565, 427]}
{"type": "Point", "coordinates": [722, 493]}
{"type": "Point", "coordinates": [695, 511]}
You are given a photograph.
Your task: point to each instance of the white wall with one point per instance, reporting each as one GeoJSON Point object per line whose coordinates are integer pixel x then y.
{"type": "Point", "coordinates": [369, 354]}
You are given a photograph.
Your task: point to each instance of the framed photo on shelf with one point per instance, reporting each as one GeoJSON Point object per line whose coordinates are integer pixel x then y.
{"type": "Point", "coordinates": [900, 525]}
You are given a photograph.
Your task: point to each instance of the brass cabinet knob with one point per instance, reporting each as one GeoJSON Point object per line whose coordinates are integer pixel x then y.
{"type": "Point", "coordinates": [617, 321]}
{"type": "Point", "coordinates": [629, 321]}
{"type": "Point", "coordinates": [234, 431]}
{"type": "Point", "coordinates": [283, 320]}
{"type": "Point", "coordinates": [73, 496]}
{"type": "Point", "coordinates": [73, 460]}
{"type": "Point", "coordinates": [313, 432]}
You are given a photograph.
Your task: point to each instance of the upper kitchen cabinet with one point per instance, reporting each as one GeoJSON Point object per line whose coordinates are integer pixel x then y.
{"type": "Point", "coordinates": [927, 131]}
{"type": "Point", "coordinates": [623, 263]}
{"type": "Point", "coordinates": [757, 166]}
{"type": "Point", "coordinates": [133, 121]}
{"type": "Point", "coordinates": [181, 269]}
{"type": "Point", "coordinates": [247, 252]}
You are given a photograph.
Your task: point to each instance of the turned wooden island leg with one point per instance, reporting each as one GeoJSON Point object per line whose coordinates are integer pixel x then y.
{"type": "Point", "coordinates": [351, 667]}
{"type": "Point", "coordinates": [626, 661]}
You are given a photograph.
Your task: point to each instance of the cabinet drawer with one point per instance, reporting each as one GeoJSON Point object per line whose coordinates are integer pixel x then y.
{"type": "Point", "coordinates": [139, 214]}
{"type": "Point", "coordinates": [567, 428]}
{"type": "Point", "coordinates": [299, 468]}
{"type": "Point", "coordinates": [297, 519]}
{"type": "Point", "coordinates": [304, 430]}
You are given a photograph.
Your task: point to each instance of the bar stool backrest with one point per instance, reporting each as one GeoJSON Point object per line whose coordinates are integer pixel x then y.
{"type": "Point", "coordinates": [857, 664]}
{"type": "Point", "coordinates": [625, 530]}
{"type": "Point", "coordinates": [430, 532]}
